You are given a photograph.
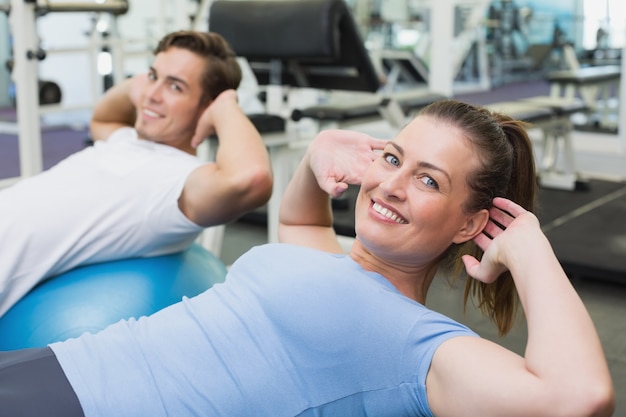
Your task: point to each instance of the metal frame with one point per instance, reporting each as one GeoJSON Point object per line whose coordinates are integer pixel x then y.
{"type": "Point", "coordinates": [22, 20]}
{"type": "Point", "coordinates": [116, 7]}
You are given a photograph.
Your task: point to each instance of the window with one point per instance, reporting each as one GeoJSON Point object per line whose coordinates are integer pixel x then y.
{"type": "Point", "coordinates": [604, 24]}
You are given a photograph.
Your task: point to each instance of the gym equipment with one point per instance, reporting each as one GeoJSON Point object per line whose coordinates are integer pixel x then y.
{"type": "Point", "coordinates": [515, 54]}
{"type": "Point", "coordinates": [89, 298]}
{"type": "Point", "coordinates": [49, 92]}
{"type": "Point", "coordinates": [117, 7]}
{"type": "Point", "coordinates": [312, 44]}
{"type": "Point", "coordinates": [27, 53]}
{"type": "Point", "coordinates": [308, 43]}
{"type": "Point", "coordinates": [404, 67]}
{"type": "Point", "coordinates": [552, 115]}
{"type": "Point", "coordinates": [595, 85]}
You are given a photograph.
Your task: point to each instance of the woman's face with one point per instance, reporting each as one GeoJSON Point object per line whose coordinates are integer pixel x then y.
{"type": "Point", "coordinates": [410, 206]}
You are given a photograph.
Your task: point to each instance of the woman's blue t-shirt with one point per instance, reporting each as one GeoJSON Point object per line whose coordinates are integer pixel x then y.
{"type": "Point", "coordinates": [291, 332]}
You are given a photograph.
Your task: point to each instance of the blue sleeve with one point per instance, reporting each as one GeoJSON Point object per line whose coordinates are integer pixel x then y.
{"type": "Point", "coordinates": [429, 333]}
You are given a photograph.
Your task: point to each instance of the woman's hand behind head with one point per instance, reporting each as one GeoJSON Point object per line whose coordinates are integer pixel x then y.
{"type": "Point", "coordinates": [341, 157]}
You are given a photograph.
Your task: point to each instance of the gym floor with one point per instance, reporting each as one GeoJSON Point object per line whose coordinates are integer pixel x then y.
{"type": "Point", "coordinates": [586, 228]}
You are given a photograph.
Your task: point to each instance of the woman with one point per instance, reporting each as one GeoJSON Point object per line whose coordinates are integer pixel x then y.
{"type": "Point", "coordinates": [302, 329]}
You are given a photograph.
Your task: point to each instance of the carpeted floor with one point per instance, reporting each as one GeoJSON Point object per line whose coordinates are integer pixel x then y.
{"type": "Point", "coordinates": [57, 143]}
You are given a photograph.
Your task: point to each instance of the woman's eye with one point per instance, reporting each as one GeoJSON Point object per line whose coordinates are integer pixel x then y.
{"type": "Point", "coordinates": [392, 159]}
{"type": "Point", "coordinates": [176, 87]}
{"type": "Point", "coordinates": [429, 182]}
{"type": "Point", "coordinates": [151, 76]}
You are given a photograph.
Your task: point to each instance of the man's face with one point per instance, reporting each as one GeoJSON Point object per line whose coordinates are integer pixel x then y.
{"type": "Point", "coordinates": [169, 105]}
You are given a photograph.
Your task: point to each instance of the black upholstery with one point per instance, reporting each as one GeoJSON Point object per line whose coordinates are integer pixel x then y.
{"type": "Point", "coordinates": [300, 43]}
{"type": "Point", "coordinates": [362, 109]}
{"type": "Point", "coordinates": [267, 123]}
{"type": "Point", "coordinates": [340, 112]}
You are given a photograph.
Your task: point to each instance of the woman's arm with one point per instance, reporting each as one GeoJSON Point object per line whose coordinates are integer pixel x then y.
{"type": "Point", "coordinates": [563, 371]}
{"type": "Point", "coordinates": [335, 159]}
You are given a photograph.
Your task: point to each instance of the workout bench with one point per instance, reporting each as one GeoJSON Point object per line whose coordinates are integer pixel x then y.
{"type": "Point", "coordinates": [552, 115]}
{"type": "Point", "coordinates": [313, 44]}
{"type": "Point", "coordinates": [594, 84]}
{"type": "Point", "coordinates": [393, 107]}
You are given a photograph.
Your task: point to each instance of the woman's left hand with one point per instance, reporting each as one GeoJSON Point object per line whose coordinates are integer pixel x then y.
{"type": "Point", "coordinates": [504, 239]}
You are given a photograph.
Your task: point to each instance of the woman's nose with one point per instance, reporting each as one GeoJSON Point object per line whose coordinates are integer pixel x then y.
{"type": "Point", "coordinates": [394, 186]}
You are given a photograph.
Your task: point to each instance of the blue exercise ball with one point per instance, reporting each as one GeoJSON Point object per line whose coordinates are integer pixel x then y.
{"type": "Point", "coordinates": [89, 298]}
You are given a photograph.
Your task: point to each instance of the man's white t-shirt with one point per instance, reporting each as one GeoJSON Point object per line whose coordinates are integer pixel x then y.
{"type": "Point", "coordinates": [116, 199]}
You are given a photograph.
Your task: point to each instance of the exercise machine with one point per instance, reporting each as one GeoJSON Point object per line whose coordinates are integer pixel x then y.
{"type": "Point", "coordinates": [553, 116]}
{"type": "Point", "coordinates": [313, 45]}
{"type": "Point", "coordinates": [27, 53]}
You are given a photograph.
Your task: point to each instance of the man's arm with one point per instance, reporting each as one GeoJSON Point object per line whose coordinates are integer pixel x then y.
{"type": "Point", "coordinates": [240, 180]}
{"type": "Point", "coordinates": [115, 109]}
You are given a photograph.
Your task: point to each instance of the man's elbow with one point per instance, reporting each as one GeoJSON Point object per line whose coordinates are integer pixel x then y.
{"type": "Point", "coordinates": [259, 185]}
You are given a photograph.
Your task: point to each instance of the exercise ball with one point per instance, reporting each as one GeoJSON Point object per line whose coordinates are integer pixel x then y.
{"type": "Point", "coordinates": [89, 298]}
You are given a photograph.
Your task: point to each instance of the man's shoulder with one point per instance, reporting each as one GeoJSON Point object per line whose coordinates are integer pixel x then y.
{"type": "Point", "coordinates": [124, 133]}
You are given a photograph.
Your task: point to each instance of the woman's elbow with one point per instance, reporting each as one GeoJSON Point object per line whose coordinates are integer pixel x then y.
{"type": "Point", "coordinates": [598, 401]}
{"type": "Point", "coordinates": [602, 402]}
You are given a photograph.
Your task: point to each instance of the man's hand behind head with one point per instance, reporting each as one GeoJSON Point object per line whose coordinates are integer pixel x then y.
{"type": "Point", "coordinates": [217, 111]}
{"type": "Point", "coordinates": [138, 85]}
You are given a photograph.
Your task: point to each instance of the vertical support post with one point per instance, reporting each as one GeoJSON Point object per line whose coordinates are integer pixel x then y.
{"type": "Point", "coordinates": [25, 74]}
{"type": "Point", "coordinates": [118, 52]}
{"type": "Point", "coordinates": [483, 61]}
{"type": "Point", "coordinates": [275, 88]}
{"type": "Point", "coordinates": [93, 50]}
{"type": "Point", "coordinates": [163, 18]}
{"type": "Point", "coordinates": [440, 75]}
{"type": "Point", "coordinates": [621, 129]}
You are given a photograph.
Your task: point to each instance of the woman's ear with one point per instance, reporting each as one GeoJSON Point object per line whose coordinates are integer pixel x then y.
{"type": "Point", "coordinates": [474, 224]}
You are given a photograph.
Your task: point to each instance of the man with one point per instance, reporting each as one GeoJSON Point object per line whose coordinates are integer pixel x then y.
{"type": "Point", "coordinates": [140, 190]}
